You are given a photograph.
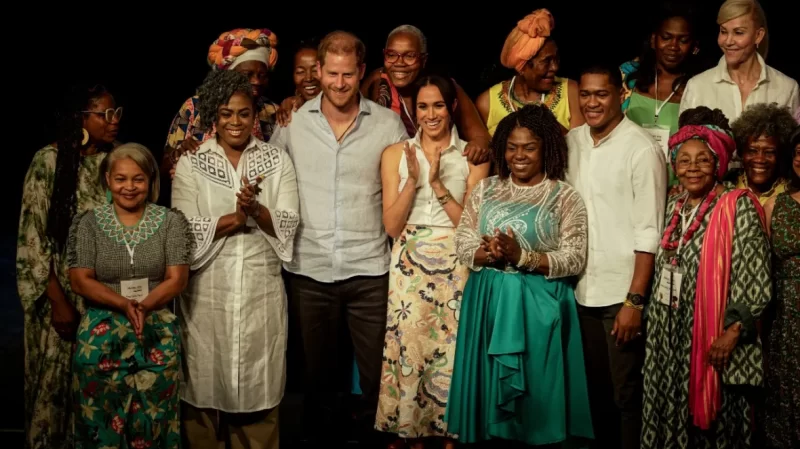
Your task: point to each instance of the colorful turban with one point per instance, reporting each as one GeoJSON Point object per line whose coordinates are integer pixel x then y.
{"type": "Point", "coordinates": [718, 140]}
{"type": "Point", "coordinates": [243, 44]}
{"type": "Point", "coordinates": [526, 39]}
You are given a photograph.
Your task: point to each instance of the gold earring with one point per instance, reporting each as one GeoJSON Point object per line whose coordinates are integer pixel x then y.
{"type": "Point", "coordinates": [85, 137]}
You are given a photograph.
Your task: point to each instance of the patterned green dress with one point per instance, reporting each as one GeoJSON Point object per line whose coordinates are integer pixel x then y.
{"type": "Point", "coordinates": [782, 407]}
{"type": "Point", "coordinates": [126, 389]}
{"type": "Point", "coordinates": [48, 358]}
{"type": "Point", "coordinates": [667, 423]}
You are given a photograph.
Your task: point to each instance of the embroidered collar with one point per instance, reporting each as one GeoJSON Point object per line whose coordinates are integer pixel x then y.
{"type": "Point", "coordinates": [152, 218]}
{"type": "Point", "coordinates": [214, 146]}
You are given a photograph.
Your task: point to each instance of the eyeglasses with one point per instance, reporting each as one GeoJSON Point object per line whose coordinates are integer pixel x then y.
{"type": "Point", "coordinates": [110, 114]}
{"type": "Point", "coordinates": [699, 163]}
{"type": "Point", "coordinates": [409, 58]}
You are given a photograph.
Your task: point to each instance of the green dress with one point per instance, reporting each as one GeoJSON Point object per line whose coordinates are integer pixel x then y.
{"type": "Point", "coordinates": [48, 405]}
{"type": "Point", "coordinates": [641, 110]}
{"type": "Point", "coordinates": [782, 405]}
{"type": "Point", "coordinates": [666, 421]}
{"type": "Point", "coordinates": [519, 372]}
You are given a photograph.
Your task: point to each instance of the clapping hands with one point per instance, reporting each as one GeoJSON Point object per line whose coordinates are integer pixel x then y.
{"type": "Point", "coordinates": [501, 248]}
{"type": "Point", "coordinates": [247, 198]}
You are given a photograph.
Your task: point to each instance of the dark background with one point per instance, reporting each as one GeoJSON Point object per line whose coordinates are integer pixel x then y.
{"type": "Point", "coordinates": [152, 60]}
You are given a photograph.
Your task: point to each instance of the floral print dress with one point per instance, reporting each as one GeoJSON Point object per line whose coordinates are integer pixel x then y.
{"type": "Point", "coordinates": [48, 409]}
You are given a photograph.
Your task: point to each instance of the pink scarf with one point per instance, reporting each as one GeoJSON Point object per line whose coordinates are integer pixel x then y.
{"type": "Point", "coordinates": [713, 283]}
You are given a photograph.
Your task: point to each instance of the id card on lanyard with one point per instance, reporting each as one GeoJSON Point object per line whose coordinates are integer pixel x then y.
{"type": "Point", "coordinates": [660, 133]}
{"type": "Point", "coordinates": [135, 289]}
{"type": "Point", "coordinates": [671, 281]}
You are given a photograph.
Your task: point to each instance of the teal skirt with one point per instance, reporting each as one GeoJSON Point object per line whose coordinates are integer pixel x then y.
{"type": "Point", "coordinates": [519, 373]}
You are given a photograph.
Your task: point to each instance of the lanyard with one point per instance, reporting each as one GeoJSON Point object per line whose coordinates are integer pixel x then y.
{"type": "Point", "coordinates": [129, 247]}
{"type": "Point", "coordinates": [685, 227]}
{"type": "Point", "coordinates": [405, 108]}
{"type": "Point", "coordinates": [511, 95]}
{"type": "Point", "coordinates": [657, 107]}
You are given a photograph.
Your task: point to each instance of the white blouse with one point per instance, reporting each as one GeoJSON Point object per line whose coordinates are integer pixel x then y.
{"type": "Point", "coordinates": [715, 89]}
{"type": "Point", "coordinates": [233, 312]}
{"type": "Point", "coordinates": [453, 172]}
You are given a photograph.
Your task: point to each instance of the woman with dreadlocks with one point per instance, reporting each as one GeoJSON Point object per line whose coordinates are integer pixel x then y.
{"type": "Point", "coordinates": [87, 129]}
{"type": "Point", "coordinates": [519, 373]}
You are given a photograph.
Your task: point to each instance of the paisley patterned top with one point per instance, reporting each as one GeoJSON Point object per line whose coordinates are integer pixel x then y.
{"type": "Point", "coordinates": [549, 217]}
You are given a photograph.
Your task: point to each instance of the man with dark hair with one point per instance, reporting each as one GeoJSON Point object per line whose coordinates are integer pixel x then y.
{"type": "Point", "coordinates": [339, 273]}
{"type": "Point", "coordinates": [620, 172]}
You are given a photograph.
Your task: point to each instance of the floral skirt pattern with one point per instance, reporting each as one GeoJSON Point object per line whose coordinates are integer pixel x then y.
{"type": "Point", "coordinates": [426, 283]}
{"type": "Point", "coordinates": [126, 390]}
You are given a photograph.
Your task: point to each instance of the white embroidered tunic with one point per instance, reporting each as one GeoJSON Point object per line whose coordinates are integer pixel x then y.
{"type": "Point", "coordinates": [233, 313]}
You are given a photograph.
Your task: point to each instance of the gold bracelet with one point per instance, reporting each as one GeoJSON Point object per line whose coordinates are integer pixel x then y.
{"type": "Point", "coordinates": [445, 198]}
{"type": "Point", "coordinates": [529, 260]}
{"type": "Point", "coordinates": [628, 303]}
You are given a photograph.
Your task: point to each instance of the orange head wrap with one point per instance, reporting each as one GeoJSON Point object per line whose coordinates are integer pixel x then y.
{"type": "Point", "coordinates": [243, 44]}
{"type": "Point", "coordinates": [526, 39]}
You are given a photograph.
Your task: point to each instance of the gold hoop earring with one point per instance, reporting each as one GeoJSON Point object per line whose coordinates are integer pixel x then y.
{"type": "Point", "coordinates": [85, 136]}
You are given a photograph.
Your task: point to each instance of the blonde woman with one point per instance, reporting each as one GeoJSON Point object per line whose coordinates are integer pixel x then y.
{"type": "Point", "coordinates": [128, 259]}
{"type": "Point", "coordinates": [742, 77]}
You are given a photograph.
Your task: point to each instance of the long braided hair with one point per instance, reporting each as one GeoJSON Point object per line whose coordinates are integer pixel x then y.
{"type": "Point", "coordinates": [543, 124]}
{"type": "Point", "coordinates": [69, 136]}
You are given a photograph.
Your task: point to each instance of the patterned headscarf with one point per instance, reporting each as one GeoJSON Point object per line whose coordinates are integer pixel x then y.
{"type": "Point", "coordinates": [526, 39]}
{"type": "Point", "coordinates": [718, 140]}
{"type": "Point", "coordinates": [243, 44]}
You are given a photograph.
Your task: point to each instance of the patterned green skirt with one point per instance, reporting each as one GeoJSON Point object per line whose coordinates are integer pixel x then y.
{"type": "Point", "coordinates": [126, 390]}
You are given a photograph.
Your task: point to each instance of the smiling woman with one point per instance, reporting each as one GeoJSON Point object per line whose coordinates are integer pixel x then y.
{"type": "Point", "coordinates": [762, 138]}
{"type": "Point", "coordinates": [250, 52]}
{"type": "Point", "coordinates": [518, 372]}
{"type": "Point", "coordinates": [244, 229]}
{"type": "Point", "coordinates": [430, 166]}
{"type": "Point", "coordinates": [62, 180]}
{"type": "Point", "coordinates": [129, 260]}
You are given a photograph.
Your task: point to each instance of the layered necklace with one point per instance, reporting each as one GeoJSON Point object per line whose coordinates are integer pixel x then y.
{"type": "Point", "coordinates": [672, 241]}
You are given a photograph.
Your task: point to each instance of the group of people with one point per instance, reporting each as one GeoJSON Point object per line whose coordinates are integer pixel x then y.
{"type": "Point", "coordinates": [608, 261]}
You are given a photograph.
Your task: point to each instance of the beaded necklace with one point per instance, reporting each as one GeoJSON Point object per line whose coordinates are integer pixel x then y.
{"type": "Point", "coordinates": [671, 241]}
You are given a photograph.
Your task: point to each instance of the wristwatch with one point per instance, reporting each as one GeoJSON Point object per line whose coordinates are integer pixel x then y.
{"type": "Point", "coordinates": [635, 299]}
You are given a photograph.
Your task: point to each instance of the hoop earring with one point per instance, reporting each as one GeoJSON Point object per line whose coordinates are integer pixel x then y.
{"type": "Point", "coordinates": [85, 136]}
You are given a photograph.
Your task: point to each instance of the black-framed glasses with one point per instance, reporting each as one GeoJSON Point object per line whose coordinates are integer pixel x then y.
{"type": "Point", "coordinates": [409, 57]}
{"type": "Point", "coordinates": [109, 114]}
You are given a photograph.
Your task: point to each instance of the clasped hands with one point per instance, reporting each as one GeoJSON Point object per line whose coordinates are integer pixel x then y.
{"type": "Point", "coordinates": [247, 204]}
{"type": "Point", "coordinates": [501, 248]}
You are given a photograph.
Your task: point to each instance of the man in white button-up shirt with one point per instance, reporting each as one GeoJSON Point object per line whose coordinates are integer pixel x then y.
{"type": "Point", "coordinates": [620, 172]}
{"type": "Point", "coordinates": [339, 273]}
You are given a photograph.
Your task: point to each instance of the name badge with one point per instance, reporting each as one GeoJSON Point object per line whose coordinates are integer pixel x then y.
{"type": "Point", "coordinates": [135, 289]}
{"type": "Point", "coordinates": [669, 286]}
{"type": "Point", "coordinates": [661, 135]}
